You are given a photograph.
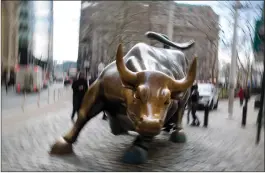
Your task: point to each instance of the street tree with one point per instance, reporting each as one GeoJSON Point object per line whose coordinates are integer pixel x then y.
{"type": "Point", "coordinates": [249, 12]}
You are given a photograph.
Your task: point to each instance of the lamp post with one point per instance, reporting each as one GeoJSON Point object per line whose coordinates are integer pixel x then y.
{"type": "Point", "coordinates": [233, 63]}
{"type": "Point", "coordinates": [170, 24]}
{"type": "Point", "coordinates": [262, 96]}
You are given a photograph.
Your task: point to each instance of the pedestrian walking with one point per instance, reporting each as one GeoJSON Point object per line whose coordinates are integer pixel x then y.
{"type": "Point", "coordinates": [6, 83]}
{"type": "Point", "coordinates": [189, 105]}
{"type": "Point", "coordinates": [241, 96]}
{"type": "Point", "coordinates": [79, 87]}
{"type": "Point", "coordinates": [12, 79]}
{"type": "Point", "coordinates": [194, 102]}
{"type": "Point", "coordinates": [246, 95]}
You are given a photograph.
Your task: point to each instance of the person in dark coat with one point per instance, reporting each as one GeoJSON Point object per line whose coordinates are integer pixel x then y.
{"type": "Point", "coordinates": [194, 101]}
{"type": "Point", "coordinates": [79, 87]}
{"type": "Point", "coordinates": [12, 79]}
{"type": "Point", "coordinates": [246, 95]}
{"type": "Point", "coordinates": [189, 105]}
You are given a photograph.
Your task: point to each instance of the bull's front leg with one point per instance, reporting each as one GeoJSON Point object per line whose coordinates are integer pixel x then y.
{"type": "Point", "coordinates": [178, 135]}
{"type": "Point", "coordinates": [138, 152]}
{"type": "Point", "coordinates": [91, 106]}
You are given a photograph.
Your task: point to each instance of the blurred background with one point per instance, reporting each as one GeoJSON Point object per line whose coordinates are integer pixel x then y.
{"type": "Point", "coordinates": [49, 39]}
{"type": "Point", "coordinates": [44, 44]}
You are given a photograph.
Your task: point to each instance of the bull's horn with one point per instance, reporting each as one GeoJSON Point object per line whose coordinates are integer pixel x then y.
{"type": "Point", "coordinates": [185, 83]}
{"type": "Point", "coordinates": [128, 77]}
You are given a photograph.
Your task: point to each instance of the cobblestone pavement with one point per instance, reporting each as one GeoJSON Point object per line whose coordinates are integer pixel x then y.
{"type": "Point", "coordinates": [223, 146]}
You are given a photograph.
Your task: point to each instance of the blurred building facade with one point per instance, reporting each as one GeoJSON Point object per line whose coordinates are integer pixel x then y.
{"type": "Point", "coordinates": [9, 35]}
{"type": "Point", "coordinates": [17, 34]}
{"type": "Point", "coordinates": [43, 29]}
{"type": "Point", "coordinates": [25, 31]}
{"type": "Point", "coordinates": [103, 24]}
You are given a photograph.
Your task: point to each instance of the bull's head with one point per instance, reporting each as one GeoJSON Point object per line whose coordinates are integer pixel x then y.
{"type": "Point", "coordinates": [151, 94]}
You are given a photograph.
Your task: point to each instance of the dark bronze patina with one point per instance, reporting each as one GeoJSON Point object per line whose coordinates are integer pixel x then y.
{"type": "Point", "coordinates": [143, 91]}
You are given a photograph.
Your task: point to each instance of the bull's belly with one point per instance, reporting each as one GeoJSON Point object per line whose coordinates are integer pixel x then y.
{"type": "Point", "coordinates": [117, 114]}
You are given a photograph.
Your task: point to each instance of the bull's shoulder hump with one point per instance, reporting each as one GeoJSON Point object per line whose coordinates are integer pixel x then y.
{"type": "Point", "coordinates": [140, 45]}
{"type": "Point", "coordinates": [143, 47]}
{"type": "Point", "coordinates": [176, 52]}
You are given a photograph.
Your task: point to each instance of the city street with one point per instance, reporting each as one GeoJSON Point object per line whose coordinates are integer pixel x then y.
{"type": "Point", "coordinates": [13, 100]}
{"type": "Point", "coordinates": [223, 146]}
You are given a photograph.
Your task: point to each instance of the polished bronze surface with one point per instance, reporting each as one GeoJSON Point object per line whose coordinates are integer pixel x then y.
{"type": "Point", "coordinates": [164, 39]}
{"type": "Point", "coordinates": [142, 91]}
{"type": "Point", "coordinates": [61, 147]}
{"type": "Point", "coordinates": [150, 96]}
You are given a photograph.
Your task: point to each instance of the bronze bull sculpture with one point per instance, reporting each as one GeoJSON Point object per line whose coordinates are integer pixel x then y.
{"type": "Point", "coordinates": [143, 91]}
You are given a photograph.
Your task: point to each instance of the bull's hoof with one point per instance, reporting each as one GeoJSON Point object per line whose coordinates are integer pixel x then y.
{"type": "Point", "coordinates": [178, 136]}
{"type": "Point", "coordinates": [61, 147]}
{"type": "Point", "coordinates": [135, 155]}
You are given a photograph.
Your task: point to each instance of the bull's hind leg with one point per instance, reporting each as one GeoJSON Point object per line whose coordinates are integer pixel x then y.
{"type": "Point", "coordinates": [91, 106]}
{"type": "Point", "coordinates": [178, 134]}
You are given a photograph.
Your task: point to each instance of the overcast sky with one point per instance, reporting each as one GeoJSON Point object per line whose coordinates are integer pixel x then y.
{"type": "Point", "coordinates": [66, 28]}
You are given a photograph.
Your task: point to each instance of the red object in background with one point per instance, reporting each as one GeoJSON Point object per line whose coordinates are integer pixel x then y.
{"type": "Point", "coordinates": [17, 68]}
{"type": "Point", "coordinates": [18, 88]}
{"type": "Point", "coordinates": [36, 68]}
{"type": "Point", "coordinates": [34, 88]}
{"type": "Point", "coordinates": [241, 93]}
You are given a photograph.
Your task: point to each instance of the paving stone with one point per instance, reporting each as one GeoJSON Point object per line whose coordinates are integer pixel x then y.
{"type": "Point", "coordinates": [223, 146]}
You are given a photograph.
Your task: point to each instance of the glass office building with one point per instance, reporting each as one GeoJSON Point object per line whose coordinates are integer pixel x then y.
{"type": "Point", "coordinates": [36, 32]}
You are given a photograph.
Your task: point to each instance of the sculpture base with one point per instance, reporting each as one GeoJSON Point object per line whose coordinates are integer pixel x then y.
{"type": "Point", "coordinates": [135, 155]}
{"type": "Point", "coordinates": [178, 137]}
{"type": "Point", "coordinates": [61, 147]}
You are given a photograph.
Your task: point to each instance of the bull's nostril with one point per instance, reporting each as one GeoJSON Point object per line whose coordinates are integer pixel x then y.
{"type": "Point", "coordinates": [141, 118]}
{"type": "Point", "coordinates": [160, 121]}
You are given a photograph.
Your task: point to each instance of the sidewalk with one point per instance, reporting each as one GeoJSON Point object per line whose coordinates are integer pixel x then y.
{"type": "Point", "coordinates": [223, 146]}
{"type": "Point", "coordinates": [11, 118]}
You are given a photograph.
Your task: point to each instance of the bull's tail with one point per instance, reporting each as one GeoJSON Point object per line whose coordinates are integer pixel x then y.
{"type": "Point", "coordinates": [164, 39]}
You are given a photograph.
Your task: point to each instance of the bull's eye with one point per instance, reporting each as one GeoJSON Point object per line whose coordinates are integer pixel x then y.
{"type": "Point", "coordinates": [136, 96]}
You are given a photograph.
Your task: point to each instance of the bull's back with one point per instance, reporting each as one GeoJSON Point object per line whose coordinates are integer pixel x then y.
{"type": "Point", "coordinates": [143, 57]}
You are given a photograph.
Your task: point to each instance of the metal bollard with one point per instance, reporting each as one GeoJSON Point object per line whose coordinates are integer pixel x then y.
{"type": "Point", "coordinates": [54, 95]}
{"type": "Point", "coordinates": [48, 95]}
{"type": "Point", "coordinates": [206, 115]}
{"type": "Point", "coordinates": [38, 102]}
{"type": "Point", "coordinates": [23, 103]}
{"type": "Point", "coordinates": [58, 93]}
{"type": "Point", "coordinates": [244, 115]}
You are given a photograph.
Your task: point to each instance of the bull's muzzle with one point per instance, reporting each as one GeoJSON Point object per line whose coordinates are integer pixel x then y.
{"type": "Point", "coordinates": [149, 126]}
